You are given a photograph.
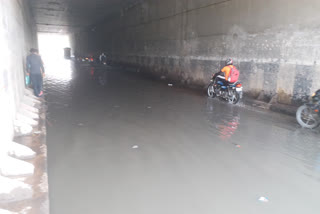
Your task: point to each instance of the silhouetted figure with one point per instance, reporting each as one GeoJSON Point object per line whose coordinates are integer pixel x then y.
{"type": "Point", "coordinates": [103, 58]}
{"type": "Point", "coordinates": [36, 71]}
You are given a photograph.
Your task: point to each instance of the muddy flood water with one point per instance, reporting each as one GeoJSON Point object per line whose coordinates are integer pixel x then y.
{"type": "Point", "coordinates": [129, 145]}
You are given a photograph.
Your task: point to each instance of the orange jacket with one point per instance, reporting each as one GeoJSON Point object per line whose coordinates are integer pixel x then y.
{"type": "Point", "coordinates": [227, 70]}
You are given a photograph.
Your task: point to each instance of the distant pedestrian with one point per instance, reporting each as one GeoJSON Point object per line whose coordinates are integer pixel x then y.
{"type": "Point", "coordinates": [36, 71]}
{"type": "Point", "coordinates": [103, 58]}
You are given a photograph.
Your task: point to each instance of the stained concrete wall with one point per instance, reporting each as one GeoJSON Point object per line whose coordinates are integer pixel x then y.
{"type": "Point", "coordinates": [17, 36]}
{"type": "Point", "coordinates": [274, 43]}
{"type": "Point", "coordinates": [88, 42]}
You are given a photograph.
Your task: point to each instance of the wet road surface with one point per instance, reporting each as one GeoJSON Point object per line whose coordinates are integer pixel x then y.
{"type": "Point", "coordinates": [135, 146]}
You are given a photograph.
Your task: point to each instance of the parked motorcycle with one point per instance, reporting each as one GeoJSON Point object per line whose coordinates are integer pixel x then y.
{"type": "Point", "coordinates": [231, 93]}
{"type": "Point", "coordinates": [308, 115]}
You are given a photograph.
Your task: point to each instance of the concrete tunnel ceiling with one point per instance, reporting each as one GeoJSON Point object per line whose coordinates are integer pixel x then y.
{"type": "Point", "coordinates": [65, 16]}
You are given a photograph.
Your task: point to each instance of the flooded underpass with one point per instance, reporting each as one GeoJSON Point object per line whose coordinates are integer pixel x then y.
{"type": "Point", "coordinates": [132, 145]}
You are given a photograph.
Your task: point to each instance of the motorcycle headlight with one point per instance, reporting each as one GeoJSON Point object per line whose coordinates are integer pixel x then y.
{"type": "Point", "coordinates": [314, 94]}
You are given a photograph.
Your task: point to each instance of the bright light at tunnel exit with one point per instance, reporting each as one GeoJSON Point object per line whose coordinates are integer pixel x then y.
{"type": "Point", "coordinates": [51, 48]}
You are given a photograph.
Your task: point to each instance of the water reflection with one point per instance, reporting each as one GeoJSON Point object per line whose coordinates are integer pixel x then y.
{"type": "Point", "coordinates": [224, 121]}
{"type": "Point", "coordinates": [92, 73]}
{"type": "Point", "coordinates": [58, 83]}
{"type": "Point", "coordinates": [304, 146]}
{"type": "Point", "coordinates": [59, 69]}
{"type": "Point", "coordinates": [268, 133]}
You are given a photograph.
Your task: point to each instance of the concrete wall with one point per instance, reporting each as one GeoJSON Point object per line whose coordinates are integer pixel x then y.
{"type": "Point", "coordinates": [88, 43]}
{"type": "Point", "coordinates": [17, 36]}
{"type": "Point", "coordinates": [274, 43]}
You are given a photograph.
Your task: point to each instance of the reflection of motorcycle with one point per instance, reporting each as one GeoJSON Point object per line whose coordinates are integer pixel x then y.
{"type": "Point", "coordinates": [224, 120]}
{"type": "Point", "coordinates": [232, 92]}
{"type": "Point", "coordinates": [308, 115]}
{"type": "Point", "coordinates": [100, 74]}
{"type": "Point", "coordinates": [102, 78]}
{"type": "Point", "coordinates": [228, 128]}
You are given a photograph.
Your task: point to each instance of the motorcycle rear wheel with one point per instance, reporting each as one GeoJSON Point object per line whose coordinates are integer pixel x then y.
{"type": "Point", "coordinates": [235, 99]}
{"type": "Point", "coordinates": [305, 115]}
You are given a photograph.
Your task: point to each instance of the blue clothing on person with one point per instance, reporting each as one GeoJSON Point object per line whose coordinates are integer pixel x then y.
{"type": "Point", "coordinates": [35, 64]}
{"type": "Point", "coordinates": [35, 69]}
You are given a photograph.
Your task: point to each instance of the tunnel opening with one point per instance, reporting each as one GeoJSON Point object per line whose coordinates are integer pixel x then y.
{"type": "Point", "coordinates": [51, 48]}
{"type": "Point", "coordinates": [51, 45]}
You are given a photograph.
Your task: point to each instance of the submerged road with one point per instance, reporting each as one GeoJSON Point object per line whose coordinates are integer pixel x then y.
{"type": "Point", "coordinates": [135, 146]}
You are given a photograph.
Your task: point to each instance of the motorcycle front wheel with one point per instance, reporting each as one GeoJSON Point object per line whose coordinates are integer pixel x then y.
{"type": "Point", "coordinates": [306, 117]}
{"type": "Point", "coordinates": [211, 91]}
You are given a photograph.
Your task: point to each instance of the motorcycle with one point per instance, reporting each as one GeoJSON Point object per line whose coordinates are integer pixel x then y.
{"type": "Point", "coordinates": [231, 93]}
{"type": "Point", "coordinates": [308, 115]}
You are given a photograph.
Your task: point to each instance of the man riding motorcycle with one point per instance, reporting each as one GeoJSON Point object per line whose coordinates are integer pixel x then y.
{"type": "Point", "coordinates": [226, 75]}
{"type": "Point", "coordinates": [225, 85]}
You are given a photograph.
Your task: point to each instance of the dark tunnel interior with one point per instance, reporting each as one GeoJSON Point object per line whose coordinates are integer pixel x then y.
{"type": "Point", "coordinates": [159, 106]}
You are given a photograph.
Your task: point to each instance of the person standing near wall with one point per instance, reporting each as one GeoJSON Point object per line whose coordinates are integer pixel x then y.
{"type": "Point", "coordinates": [35, 69]}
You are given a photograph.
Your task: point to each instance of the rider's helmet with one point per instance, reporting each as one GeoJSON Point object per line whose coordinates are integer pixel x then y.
{"type": "Point", "coordinates": [229, 62]}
